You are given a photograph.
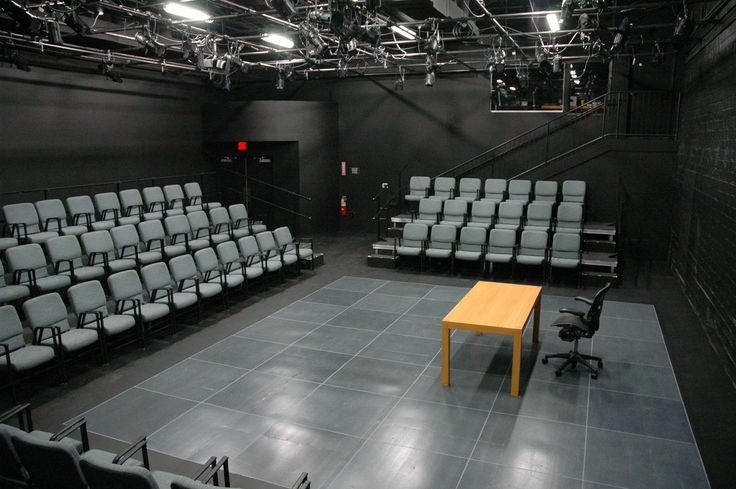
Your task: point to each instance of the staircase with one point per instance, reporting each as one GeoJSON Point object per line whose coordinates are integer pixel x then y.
{"type": "Point", "coordinates": [613, 122]}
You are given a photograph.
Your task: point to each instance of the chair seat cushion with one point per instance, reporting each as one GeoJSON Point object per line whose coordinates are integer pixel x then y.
{"type": "Point", "coordinates": [273, 264]}
{"type": "Point", "coordinates": [11, 293]}
{"type": "Point", "coordinates": [117, 323]}
{"type": "Point", "coordinates": [457, 224]}
{"type": "Point", "coordinates": [512, 227]}
{"type": "Point", "coordinates": [483, 225]}
{"type": "Point", "coordinates": [234, 279]}
{"type": "Point", "coordinates": [152, 311]}
{"type": "Point", "coordinates": [199, 244]}
{"type": "Point", "coordinates": [240, 233]}
{"type": "Point", "coordinates": [468, 255]}
{"type": "Point", "coordinates": [152, 216]}
{"type": "Point", "coordinates": [499, 257]}
{"type": "Point", "coordinates": [75, 339]}
{"type": "Point", "coordinates": [6, 243]}
{"type": "Point", "coordinates": [438, 253]}
{"type": "Point", "coordinates": [465, 198]}
{"type": "Point", "coordinates": [107, 457]}
{"type": "Point", "coordinates": [544, 229]}
{"type": "Point", "coordinates": [258, 228]}
{"type": "Point", "coordinates": [193, 208]}
{"type": "Point", "coordinates": [87, 273]}
{"type": "Point", "coordinates": [146, 257]}
{"type": "Point", "coordinates": [174, 212]}
{"type": "Point", "coordinates": [491, 199]}
{"type": "Point", "coordinates": [408, 251]}
{"type": "Point", "coordinates": [164, 479]}
{"type": "Point", "coordinates": [428, 222]}
{"type": "Point", "coordinates": [182, 300]}
{"type": "Point", "coordinates": [102, 225]}
{"type": "Point", "coordinates": [53, 282]}
{"type": "Point", "coordinates": [220, 238]}
{"type": "Point", "coordinates": [565, 262]}
{"type": "Point", "coordinates": [530, 259]}
{"type": "Point", "coordinates": [46, 436]}
{"type": "Point", "coordinates": [439, 197]}
{"type": "Point", "coordinates": [209, 289]}
{"type": "Point", "coordinates": [289, 259]}
{"type": "Point", "coordinates": [74, 230]}
{"type": "Point", "coordinates": [253, 271]}
{"type": "Point", "coordinates": [174, 250]}
{"type": "Point", "coordinates": [570, 321]}
{"type": "Point", "coordinates": [121, 264]}
{"type": "Point", "coordinates": [413, 198]}
{"type": "Point", "coordinates": [303, 253]}
{"type": "Point", "coordinates": [134, 220]}
{"type": "Point", "coordinates": [42, 237]}
{"type": "Point", "coordinates": [28, 357]}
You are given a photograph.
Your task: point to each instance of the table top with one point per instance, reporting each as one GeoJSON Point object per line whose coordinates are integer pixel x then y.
{"type": "Point", "coordinates": [502, 308]}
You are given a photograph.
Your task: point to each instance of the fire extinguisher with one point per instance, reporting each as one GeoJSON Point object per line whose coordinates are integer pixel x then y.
{"type": "Point", "coordinates": [344, 206]}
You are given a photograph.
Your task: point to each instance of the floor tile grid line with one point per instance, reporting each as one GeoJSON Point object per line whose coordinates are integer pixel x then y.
{"type": "Point", "coordinates": [380, 423]}
{"type": "Point", "coordinates": [587, 418]}
{"type": "Point", "coordinates": [210, 362]}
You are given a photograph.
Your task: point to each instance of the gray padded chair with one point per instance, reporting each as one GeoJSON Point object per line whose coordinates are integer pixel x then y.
{"type": "Point", "coordinates": [158, 283]}
{"type": "Point", "coordinates": [16, 356]}
{"type": "Point", "coordinates": [569, 219]}
{"type": "Point", "coordinates": [66, 258]}
{"type": "Point", "coordinates": [175, 199]}
{"type": "Point", "coordinates": [566, 253]}
{"type": "Point", "coordinates": [538, 217]}
{"type": "Point", "coordinates": [494, 190]}
{"type": "Point", "coordinates": [127, 292]}
{"type": "Point", "coordinates": [533, 250]}
{"type": "Point", "coordinates": [53, 218]}
{"type": "Point", "coordinates": [100, 250]}
{"type": "Point", "coordinates": [471, 246]}
{"type": "Point", "coordinates": [180, 233]}
{"type": "Point", "coordinates": [444, 188]}
{"type": "Point", "coordinates": [7, 242]}
{"type": "Point", "coordinates": [510, 215]}
{"type": "Point", "coordinates": [82, 211]}
{"type": "Point", "coordinates": [24, 223]}
{"type": "Point", "coordinates": [253, 257]}
{"type": "Point", "coordinates": [209, 269]}
{"type": "Point", "coordinates": [573, 192]}
{"type": "Point", "coordinates": [11, 293]}
{"type": "Point", "coordinates": [268, 245]}
{"type": "Point", "coordinates": [240, 219]}
{"type": "Point", "coordinates": [418, 189]}
{"type": "Point", "coordinates": [520, 190]}
{"type": "Point", "coordinates": [228, 255]}
{"type": "Point", "coordinates": [28, 265]}
{"type": "Point", "coordinates": [156, 202]}
{"type": "Point", "coordinates": [47, 318]}
{"type": "Point", "coordinates": [303, 248]}
{"type": "Point", "coordinates": [184, 271]}
{"type": "Point", "coordinates": [413, 241]}
{"type": "Point", "coordinates": [131, 202]}
{"type": "Point", "coordinates": [89, 305]}
{"type": "Point", "coordinates": [442, 242]}
{"type": "Point", "coordinates": [454, 213]}
{"type": "Point", "coordinates": [194, 193]}
{"type": "Point", "coordinates": [482, 215]}
{"type": "Point", "coordinates": [429, 213]}
{"type": "Point", "coordinates": [468, 189]}
{"type": "Point", "coordinates": [545, 191]}
{"type": "Point", "coordinates": [153, 237]}
{"type": "Point", "coordinates": [109, 209]}
{"type": "Point", "coordinates": [128, 246]}
{"type": "Point", "coordinates": [221, 223]}
{"type": "Point", "coordinates": [501, 248]}
{"type": "Point", "coordinates": [201, 229]}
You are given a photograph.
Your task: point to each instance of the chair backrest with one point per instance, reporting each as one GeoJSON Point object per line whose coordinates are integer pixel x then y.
{"type": "Point", "coordinates": [108, 205]}
{"type": "Point", "coordinates": [64, 248]}
{"type": "Point", "coordinates": [81, 205]}
{"type": "Point", "coordinates": [88, 297]}
{"type": "Point", "coordinates": [174, 196]}
{"type": "Point", "coordinates": [455, 210]}
{"type": "Point", "coordinates": [46, 310]}
{"type": "Point", "coordinates": [248, 247]}
{"type": "Point", "coordinates": [469, 188]}
{"type": "Point", "coordinates": [194, 192]}
{"type": "Point", "coordinates": [472, 239]}
{"type": "Point", "coordinates": [266, 241]}
{"type": "Point", "coordinates": [510, 212]}
{"type": "Point", "coordinates": [227, 252]}
{"type": "Point", "coordinates": [28, 256]}
{"type": "Point", "coordinates": [494, 188]}
{"type": "Point", "coordinates": [573, 191]}
{"type": "Point", "coordinates": [183, 268]}
{"type": "Point", "coordinates": [206, 260]}
{"type": "Point", "coordinates": [419, 185]}
{"type": "Point", "coordinates": [106, 475]}
{"type": "Point", "coordinates": [283, 236]}
{"type": "Point", "coordinates": [429, 208]}
{"type": "Point", "coordinates": [10, 465]}
{"type": "Point", "coordinates": [442, 236]}
{"type": "Point", "coordinates": [219, 216]}
{"type": "Point", "coordinates": [483, 211]}
{"type": "Point", "coordinates": [501, 241]}
{"type": "Point", "coordinates": [98, 242]}
{"type": "Point", "coordinates": [565, 245]}
{"type": "Point", "coordinates": [444, 187]}
{"type": "Point", "coordinates": [49, 211]}
{"type": "Point", "coordinates": [176, 226]}
{"type": "Point", "coordinates": [414, 234]}
{"type": "Point", "coordinates": [545, 190]}
{"type": "Point", "coordinates": [130, 198]}
{"type": "Point", "coordinates": [533, 243]}
{"type": "Point", "coordinates": [199, 223]}
{"type": "Point", "coordinates": [570, 217]}
{"type": "Point", "coordinates": [124, 236]}
{"type": "Point", "coordinates": [539, 214]}
{"type": "Point", "coordinates": [154, 198]}
{"type": "Point", "coordinates": [50, 464]}
{"type": "Point", "coordinates": [593, 317]}
{"type": "Point", "coordinates": [23, 213]}
{"type": "Point", "coordinates": [156, 276]}
{"type": "Point", "coordinates": [2, 275]}
{"type": "Point", "coordinates": [238, 212]}
{"type": "Point", "coordinates": [520, 189]}
{"type": "Point", "coordinates": [11, 329]}
{"type": "Point", "coordinates": [125, 285]}
{"type": "Point", "coordinates": [152, 229]}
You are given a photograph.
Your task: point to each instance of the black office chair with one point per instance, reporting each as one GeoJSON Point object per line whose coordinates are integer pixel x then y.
{"type": "Point", "coordinates": [576, 325]}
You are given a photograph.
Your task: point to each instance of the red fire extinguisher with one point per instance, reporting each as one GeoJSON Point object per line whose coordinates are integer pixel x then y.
{"type": "Point", "coordinates": [344, 206]}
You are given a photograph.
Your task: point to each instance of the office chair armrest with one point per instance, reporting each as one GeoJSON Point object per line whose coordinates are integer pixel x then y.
{"type": "Point", "coordinates": [81, 425]}
{"type": "Point", "coordinates": [583, 299]}
{"type": "Point", "coordinates": [139, 444]}
{"type": "Point", "coordinates": [579, 314]}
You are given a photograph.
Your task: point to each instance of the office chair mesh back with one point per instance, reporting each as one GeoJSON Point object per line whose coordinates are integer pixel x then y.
{"type": "Point", "coordinates": [593, 317]}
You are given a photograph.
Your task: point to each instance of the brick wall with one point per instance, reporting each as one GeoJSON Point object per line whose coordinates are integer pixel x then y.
{"type": "Point", "coordinates": [703, 245]}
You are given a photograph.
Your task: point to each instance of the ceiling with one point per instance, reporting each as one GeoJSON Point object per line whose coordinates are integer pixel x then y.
{"type": "Point", "coordinates": [343, 38]}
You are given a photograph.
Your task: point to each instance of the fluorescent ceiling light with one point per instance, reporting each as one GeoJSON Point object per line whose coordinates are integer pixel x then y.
{"type": "Point", "coordinates": [553, 22]}
{"type": "Point", "coordinates": [186, 12]}
{"type": "Point", "coordinates": [278, 40]}
{"type": "Point", "coordinates": [513, 89]}
{"type": "Point", "coordinates": [404, 31]}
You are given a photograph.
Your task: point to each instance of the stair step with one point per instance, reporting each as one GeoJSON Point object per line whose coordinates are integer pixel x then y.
{"type": "Point", "coordinates": [382, 261]}
{"type": "Point", "coordinates": [587, 273]}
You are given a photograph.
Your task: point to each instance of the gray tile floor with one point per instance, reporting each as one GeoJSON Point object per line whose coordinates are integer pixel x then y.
{"type": "Point", "coordinates": [345, 384]}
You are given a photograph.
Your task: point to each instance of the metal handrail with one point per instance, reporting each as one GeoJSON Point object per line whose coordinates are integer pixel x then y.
{"type": "Point", "coordinates": [304, 216]}
{"type": "Point", "coordinates": [262, 182]}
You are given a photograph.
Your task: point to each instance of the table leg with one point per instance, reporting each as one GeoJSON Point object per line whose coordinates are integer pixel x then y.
{"type": "Point", "coordinates": [537, 315]}
{"type": "Point", "coordinates": [445, 355]}
{"type": "Point", "coordinates": [516, 366]}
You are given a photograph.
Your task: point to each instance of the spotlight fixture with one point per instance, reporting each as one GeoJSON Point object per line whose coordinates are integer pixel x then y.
{"type": "Point", "coordinates": [322, 16]}
{"type": "Point", "coordinates": [78, 25]}
{"type": "Point", "coordinates": [434, 43]}
{"type": "Point", "coordinates": [399, 83]}
{"type": "Point", "coordinates": [499, 67]}
{"type": "Point", "coordinates": [234, 63]}
{"type": "Point", "coordinates": [566, 8]}
{"type": "Point", "coordinates": [313, 43]}
{"type": "Point", "coordinates": [371, 36]}
{"type": "Point", "coordinates": [54, 32]}
{"type": "Point", "coordinates": [278, 40]}
{"type": "Point", "coordinates": [553, 22]}
{"type": "Point", "coordinates": [619, 40]}
{"type": "Point", "coordinates": [186, 12]}
{"type": "Point", "coordinates": [404, 32]}
{"type": "Point", "coordinates": [342, 68]}
{"type": "Point", "coordinates": [431, 70]}
{"type": "Point", "coordinates": [557, 63]}
{"type": "Point", "coordinates": [27, 22]}
{"type": "Point", "coordinates": [145, 39]}
{"type": "Point", "coordinates": [108, 69]}
{"type": "Point", "coordinates": [190, 52]}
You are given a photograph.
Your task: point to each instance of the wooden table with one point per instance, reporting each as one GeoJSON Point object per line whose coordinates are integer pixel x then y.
{"type": "Point", "coordinates": [492, 307]}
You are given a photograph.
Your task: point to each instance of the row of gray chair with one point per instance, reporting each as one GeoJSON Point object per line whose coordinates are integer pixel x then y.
{"type": "Point", "coordinates": [495, 190]}
{"type": "Point", "coordinates": [539, 215]}
{"type": "Point", "coordinates": [41, 460]}
{"type": "Point", "coordinates": [499, 247]}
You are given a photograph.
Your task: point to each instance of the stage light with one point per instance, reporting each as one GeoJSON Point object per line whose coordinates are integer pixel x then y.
{"type": "Point", "coordinates": [54, 32]}
{"type": "Point", "coordinates": [313, 43]}
{"type": "Point", "coordinates": [557, 63]}
{"type": "Point", "coordinates": [566, 14]}
{"type": "Point", "coordinates": [108, 69]}
{"type": "Point", "coordinates": [27, 22]}
{"type": "Point", "coordinates": [78, 25]}
{"type": "Point", "coordinates": [280, 82]}
{"type": "Point", "coordinates": [619, 40]}
{"type": "Point", "coordinates": [145, 39]}
{"type": "Point", "coordinates": [512, 88]}
{"type": "Point", "coordinates": [404, 32]}
{"type": "Point", "coordinates": [190, 52]}
{"type": "Point", "coordinates": [553, 22]}
{"type": "Point", "coordinates": [433, 43]}
{"type": "Point", "coordinates": [186, 12]}
{"type": "Point", "coordinates": [431, 69]}
{"type": "Point", "coordinates": [278, 40]}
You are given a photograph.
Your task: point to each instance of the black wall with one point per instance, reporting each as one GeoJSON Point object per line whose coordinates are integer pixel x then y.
{"type": "Point", "coordinates": [703, 251]}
